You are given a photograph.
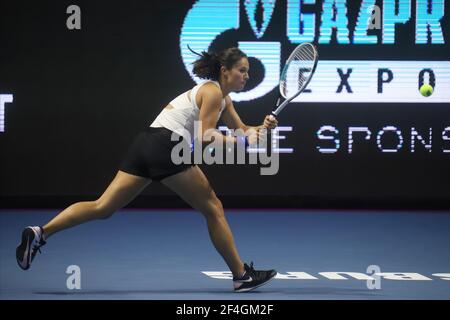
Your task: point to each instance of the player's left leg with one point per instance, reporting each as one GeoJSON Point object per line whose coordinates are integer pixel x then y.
{"type": "Point", "coordinates": [193, 186]}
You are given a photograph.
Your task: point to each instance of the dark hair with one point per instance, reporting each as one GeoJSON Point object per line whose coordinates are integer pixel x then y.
{"type": "Point", "coordinates": [209, 63]}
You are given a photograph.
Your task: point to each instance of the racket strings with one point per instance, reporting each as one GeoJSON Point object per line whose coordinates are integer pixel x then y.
{"type": "Point", "coordinates": [298, 70]}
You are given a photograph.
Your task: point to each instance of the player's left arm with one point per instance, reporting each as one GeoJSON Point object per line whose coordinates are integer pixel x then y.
{"type": "Point", "coordinates": [231, 118]}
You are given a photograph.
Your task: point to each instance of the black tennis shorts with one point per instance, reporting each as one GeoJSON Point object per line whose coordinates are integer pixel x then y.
{"type": "Point", "coordinates": [149, 155]}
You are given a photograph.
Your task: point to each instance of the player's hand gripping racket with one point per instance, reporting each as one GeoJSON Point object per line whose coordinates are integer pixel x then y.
{"type": "Point", "coordinates": [297, 73]}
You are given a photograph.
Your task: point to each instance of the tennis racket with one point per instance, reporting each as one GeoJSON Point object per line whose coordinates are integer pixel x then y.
{"type": "Point", "coordinates": [297, 73]}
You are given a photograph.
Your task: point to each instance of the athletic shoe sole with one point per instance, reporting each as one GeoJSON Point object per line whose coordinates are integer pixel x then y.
{"type": "Point", "coordinates": [23, 251]}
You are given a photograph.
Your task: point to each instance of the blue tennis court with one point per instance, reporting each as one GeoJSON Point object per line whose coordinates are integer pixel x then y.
{"type": "Point", "coordinates": [167, 255]}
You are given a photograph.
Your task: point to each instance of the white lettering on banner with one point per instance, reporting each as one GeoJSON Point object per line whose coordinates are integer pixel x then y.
{"type": "Point", "coordinates": [338, 275]}
{"type": "Point", "coordinates": [4, 98]}
{"type": "Point", "coordinates": [389, 139]}
{"type": "Point", "coordinates": [316, 21]}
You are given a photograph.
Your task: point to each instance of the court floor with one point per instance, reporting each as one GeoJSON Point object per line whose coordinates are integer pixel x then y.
{"type": "Point", "coordinates": [167, 255]}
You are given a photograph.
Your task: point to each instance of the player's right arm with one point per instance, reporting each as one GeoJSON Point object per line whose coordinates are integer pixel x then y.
{"type": "Point", "coordinates": [209, 99]}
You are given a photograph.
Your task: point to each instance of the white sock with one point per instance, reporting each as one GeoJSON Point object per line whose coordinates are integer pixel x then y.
{"type": "Point", "coordinates": [37, 232]}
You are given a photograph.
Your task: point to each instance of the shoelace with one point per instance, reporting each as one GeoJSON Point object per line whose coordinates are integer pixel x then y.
{"type": "Point", "coordinates": [37, 247]}
{"type": "Point", "coordinates": [256, 275]}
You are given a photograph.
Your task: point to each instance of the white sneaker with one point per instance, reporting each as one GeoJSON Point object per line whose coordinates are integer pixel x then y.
{"type": "Point", "coordinates": [32, 241]}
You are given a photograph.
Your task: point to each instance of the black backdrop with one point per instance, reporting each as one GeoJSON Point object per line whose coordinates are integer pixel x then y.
{"type": "Point", "coordinates": [81, 96]}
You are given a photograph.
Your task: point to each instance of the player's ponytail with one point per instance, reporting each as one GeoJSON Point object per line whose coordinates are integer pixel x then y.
{"type": "Point", "coordinates": [209, 63]}
{"type": "Point", "coordinates": [207, 66]}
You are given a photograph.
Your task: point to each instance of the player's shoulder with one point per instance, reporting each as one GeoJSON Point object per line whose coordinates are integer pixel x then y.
{"type": "Point", "coordinates": [210, 90]}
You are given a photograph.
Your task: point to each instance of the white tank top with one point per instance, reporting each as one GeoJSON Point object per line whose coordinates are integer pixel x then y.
{"type": "Point", "coordinates": [181, 117]}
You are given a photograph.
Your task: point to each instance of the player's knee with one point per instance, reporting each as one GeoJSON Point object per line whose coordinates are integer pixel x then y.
{"type": "Point", "coordinates": [215, 208]}
{"type": "Point", "coordinates": [102, 210]}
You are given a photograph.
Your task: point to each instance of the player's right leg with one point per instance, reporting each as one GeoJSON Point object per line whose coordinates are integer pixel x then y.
{"type": "Point", "coordinates": [123, 189]}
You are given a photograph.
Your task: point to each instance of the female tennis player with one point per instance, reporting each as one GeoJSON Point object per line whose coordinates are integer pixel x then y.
{"type": "Point", "coordinates": [149, 159]}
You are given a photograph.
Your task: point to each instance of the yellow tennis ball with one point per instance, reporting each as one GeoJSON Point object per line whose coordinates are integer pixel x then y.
{"type": "Point", "coordinates": [426, 90]}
